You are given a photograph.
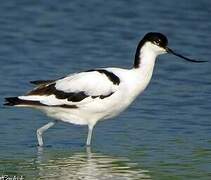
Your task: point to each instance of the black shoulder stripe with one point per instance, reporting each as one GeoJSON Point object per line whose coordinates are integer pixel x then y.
{"type": "Point", "coordinates": [115, 79]}
{"type": "Point", "coordinates": [111, 76]}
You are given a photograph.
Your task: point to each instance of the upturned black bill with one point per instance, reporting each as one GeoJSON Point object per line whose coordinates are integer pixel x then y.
{"type": "Point", "coordinates": [183, 57]}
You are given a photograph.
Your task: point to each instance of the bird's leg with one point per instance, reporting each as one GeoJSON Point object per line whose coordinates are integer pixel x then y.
{"type": "Point", "coordinates": [41, 130]}
{"type": "Point", "coordinates": [89, 137]}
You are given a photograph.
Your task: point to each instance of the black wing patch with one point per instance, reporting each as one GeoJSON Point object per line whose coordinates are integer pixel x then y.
{"type": "Point", "coordinates": [111, 76]}
{"type": "Point", "coordinates": [102, 96]}
{"type": "Point", "coordinates": [76, 97]}
{"type": "Point", "coordinates": [50, 89]}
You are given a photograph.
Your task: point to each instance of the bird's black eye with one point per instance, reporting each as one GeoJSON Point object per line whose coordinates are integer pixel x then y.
{"type": "Point", "coordinates": [157, 41]}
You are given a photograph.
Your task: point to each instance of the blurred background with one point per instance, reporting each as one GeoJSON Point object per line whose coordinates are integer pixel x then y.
{"type": "Point", "coordinates": [165, 134]}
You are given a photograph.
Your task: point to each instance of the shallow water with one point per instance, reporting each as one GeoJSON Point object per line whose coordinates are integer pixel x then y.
{"type": "Point", "coordinates": [165, 134]}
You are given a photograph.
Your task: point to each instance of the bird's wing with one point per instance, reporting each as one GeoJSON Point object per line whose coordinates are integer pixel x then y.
{"type": "Point", "coordinates": [75, 89]}
{"type": "Point", "coordinates": [41, 82]}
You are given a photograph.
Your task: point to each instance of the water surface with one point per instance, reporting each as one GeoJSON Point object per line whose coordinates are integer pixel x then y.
{"type": "Point", "coordinates": [165, 134]}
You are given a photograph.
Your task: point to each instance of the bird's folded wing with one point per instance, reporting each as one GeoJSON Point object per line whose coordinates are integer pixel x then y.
{"type": "Point", "coordinates": [76, 89]}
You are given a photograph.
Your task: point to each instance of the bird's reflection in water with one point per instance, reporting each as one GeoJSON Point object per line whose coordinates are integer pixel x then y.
{"type": "Point", "coordinates": [87, 166]}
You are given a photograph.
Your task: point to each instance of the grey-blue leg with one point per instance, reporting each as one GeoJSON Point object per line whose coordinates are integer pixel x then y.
{"type": "Point", "coordinates": [41, 130]}
{"type": "Point", "coordinates": [89, 137]}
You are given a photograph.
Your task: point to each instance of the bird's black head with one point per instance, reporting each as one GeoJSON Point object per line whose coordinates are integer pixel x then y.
{"type": "Point", "coordinates": [155, 38]}
{"type": "Point", "coordinates": [157, 43]}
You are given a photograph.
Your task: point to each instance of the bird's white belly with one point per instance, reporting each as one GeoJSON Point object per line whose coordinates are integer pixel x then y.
{"type": "Point", "coordinates": [92, 112]}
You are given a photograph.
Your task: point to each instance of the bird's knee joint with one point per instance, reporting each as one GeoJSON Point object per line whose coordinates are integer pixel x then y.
{"type": "Point", "coordinates": [39, 132]}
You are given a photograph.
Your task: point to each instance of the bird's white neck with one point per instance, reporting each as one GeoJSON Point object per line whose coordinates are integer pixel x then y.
{"type": "Point", "coordinates": [146, 59]}
{"type": "Point", "coordinates": [144, 69]}
{"type": "Point", "coordinates": [145, 56]}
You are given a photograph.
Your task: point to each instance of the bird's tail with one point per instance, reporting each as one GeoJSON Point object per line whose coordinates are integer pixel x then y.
{"type": "Point", "coordinates": [12, 101]}
{"type": "Point", "coordinates": [16, 101]}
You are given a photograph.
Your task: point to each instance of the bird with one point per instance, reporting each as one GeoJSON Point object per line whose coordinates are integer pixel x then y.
{"type": "Point", "coordinates": [97, 94]}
